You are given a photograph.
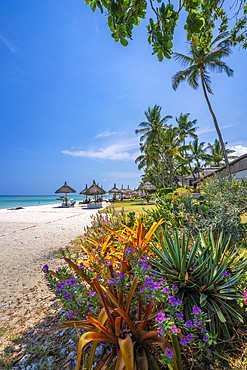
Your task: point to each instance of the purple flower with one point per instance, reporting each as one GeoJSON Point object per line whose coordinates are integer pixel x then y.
{"type": "Point", "coordinates": [92, 294]}
{"type": "Point", "coordinates": [45, 267]}
{"type": "Point", "coordinates": [183, 341]}
{"type": "Point", "coordinates": [168, 352]}
{"type": "Point", "coordinates": [180, 316]}
{"type": "Point", "coordinates": [226, 273]}
{"type": "Point", "coordinates": [174, 329]}
{"type": "Point", "coordinates": [161, 317]}
{"type": "Point", "coordinates": [196, 310]}
{"type": "Point", "coordinates": [188, 323]}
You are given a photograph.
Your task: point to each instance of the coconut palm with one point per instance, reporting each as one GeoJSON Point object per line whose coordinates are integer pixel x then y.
{"type": "Point", "coordinates": [152, 129]}
{"type": "Point", "coordinates": [187, 128]}
{"type": "Point", "coordinates": [216, 156]}
{"type": "Point", "coordinates": [199, 63]}
{"type": "Point", "coordinates": [171, 145]}
{"type": "Point", "coordinates": [197, 151]}
{"type": "Point", "coordinates": [149, 160]}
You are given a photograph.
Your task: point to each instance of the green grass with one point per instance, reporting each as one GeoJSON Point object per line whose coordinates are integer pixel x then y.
{"type": "Point", "coordinates": [129, 208]}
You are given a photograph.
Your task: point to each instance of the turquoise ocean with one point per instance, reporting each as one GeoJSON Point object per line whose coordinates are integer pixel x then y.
{"type": "Point", "coordinates": [12, 201]}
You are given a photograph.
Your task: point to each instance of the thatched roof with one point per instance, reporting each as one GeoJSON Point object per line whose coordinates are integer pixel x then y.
{"type": "Point", "coordinates": [83, 191]}
{"type": "Point", "coordinates": [147, 186]}
{"type": "Point", "coordinates": [126, 191]}
{"type": "Point", "coordinates": [65, 189]}
{"type": "Point", "coordinates": [94, 190]}
{"type": "Point", "coordinates": [114, 190]}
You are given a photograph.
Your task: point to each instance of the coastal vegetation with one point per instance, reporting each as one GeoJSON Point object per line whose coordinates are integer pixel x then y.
{"type": "Point", "coordinates": [161, 289]}
{"type": "Point", "coordinates": [167, 156]}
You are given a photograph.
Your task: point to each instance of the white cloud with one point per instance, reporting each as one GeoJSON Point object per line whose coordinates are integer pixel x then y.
{"type": "Point", "coordinates": [119, 152]}
{"type": "Point", "coordinates": [124, 175]}
{"type": "Point", "coordinates": [211, 129]}
{"type": "Point", "coordinates": [105, 134]}
{"type": "Point", "coordinates": [239, 149]}
{"type": "Point", "coordinates": [11, 47]}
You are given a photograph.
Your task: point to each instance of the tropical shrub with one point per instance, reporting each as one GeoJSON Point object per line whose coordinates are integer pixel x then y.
{"type": "Point", "coordinates": [207, 272]}
{"type": "Point", "coordinates": [221, 210]}
{"type": "Point", "coordinates": [136, 311]}
{"type": "Point", "coordinates": [168, 209]}
{"type": "Point", "coordinates": [164, 191]}
{"type": "Point", "coordinates": [97, 230]}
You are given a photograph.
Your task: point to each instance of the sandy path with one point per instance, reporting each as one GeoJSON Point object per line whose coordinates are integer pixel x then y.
{"type": "Point", "coordinates": [28, 238]}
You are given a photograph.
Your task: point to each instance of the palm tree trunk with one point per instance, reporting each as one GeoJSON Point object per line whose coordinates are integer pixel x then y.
{"type": "Point", "coordinates": [216, 125]}
{"type": "Point", "coordinates": [192, 173]}
{"type": "Point", "coordinates": [171, 173]}
{"type": "Point", "coordinates": [162, 164]}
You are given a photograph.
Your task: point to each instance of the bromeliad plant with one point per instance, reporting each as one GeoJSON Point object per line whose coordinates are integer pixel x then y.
{"type": "Point", "coordinates": [134, 312]}
{"type": "Point", "coordinates": [207, 273]}
{"type": "Point", "coordinates": [125, 321]}
{"type": "Point", "coordinates": [137, 236]}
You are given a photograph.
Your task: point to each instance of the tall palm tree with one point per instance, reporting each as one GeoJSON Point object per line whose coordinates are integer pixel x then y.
{"type": "Point", "coordinates": [171, 144]}
{"type": "Point", "coordinates": [149, 159]}
{"type": "Point", "coordinates": [152, 129]}
{"type": "Point", "coordinates": [198, 63]}
{"type": "Point", "coordinates": [197, 151]}
{"type": "Point", "coordinates": [216, 154]}
{"type": "Point", "coordinates": [187, 128]}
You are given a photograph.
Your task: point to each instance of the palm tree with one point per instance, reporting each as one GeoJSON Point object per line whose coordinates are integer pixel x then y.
{"type": "Point", "coordinates": [216, 156]}
{"type": "Point", "coordinates": [152, 129]}
{"type": "Point", "coordinates": [149, 160]}
{"type": "Point", "coordinates": [171, 145]}
{"type": "Point", "coordinates": [199, 62]}
{"type": "Point", "coordinates": [186, 128]}
{"type": "Point", "coordinates": [197, 151]}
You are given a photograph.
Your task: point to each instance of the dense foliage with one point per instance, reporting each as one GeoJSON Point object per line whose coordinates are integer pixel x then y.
{"type": "Point", "coordinates": [154, 296]}
{"type": "Point", "coordinates": [201, 18]}
{"type": "Point", "coordinates": [221, 210]}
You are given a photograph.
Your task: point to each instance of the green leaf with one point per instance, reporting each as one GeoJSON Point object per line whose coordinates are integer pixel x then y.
{"type": "Point", "coordinates": [160, 56]}
{"type": "Point", "coordinates": [123, 41]}
{"type": "Point", "coordinates": [203, 297]}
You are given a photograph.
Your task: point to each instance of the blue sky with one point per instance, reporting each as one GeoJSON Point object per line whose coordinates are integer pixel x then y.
{"type": "Point", "coordinates": [71, 98]}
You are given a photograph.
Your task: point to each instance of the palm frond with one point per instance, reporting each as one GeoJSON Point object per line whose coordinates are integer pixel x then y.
{"type": "Point", "coordinates": [165, 119]}
{"type": "Point", "coordinates": [184, 60]}
{"type": "Point", "coordinates": [219, 66]}
{"type": "Point", "coordinates": [144, 124]}
{"type": "Point", "coordinates": [193, 79]}
{"type": "Point", "coordinates": [207, 82]}
{"type": "Point", "coordinates": [219, 37]}
{"type": "Point", "coordinates": [182, 76]}
{"type": "Point", "coordinates": [217, 54]}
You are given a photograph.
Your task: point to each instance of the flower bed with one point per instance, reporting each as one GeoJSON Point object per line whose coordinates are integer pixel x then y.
{"type": "Point", "coordinates": [157, 299]}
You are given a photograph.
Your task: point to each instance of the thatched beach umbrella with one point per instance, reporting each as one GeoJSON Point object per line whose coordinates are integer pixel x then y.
{"type": "Point", "coordinates": [147, 186]}
{"type": "Point", "coordinates": [83, 192]}
{"type": "Point", "coordinates": [126, 192]}
{"type": "Point", "coordinates": [94, 190]}
{"type": "Point", "coordinates": [65, 189]}
{"type": "Point", "coordinates": [114, 191]}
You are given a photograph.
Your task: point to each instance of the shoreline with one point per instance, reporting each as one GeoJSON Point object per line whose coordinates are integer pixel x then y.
{"type": "Point", "coordinates": [29, 238]}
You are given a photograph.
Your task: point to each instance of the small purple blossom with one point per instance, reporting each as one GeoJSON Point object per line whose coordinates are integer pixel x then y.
{"type": "Point", "coordinates": [168, 352]}
{"type": "Point", "coordinates": [45, 267]}
{"type": "Point", "coordinates": [226, 273]}
{"type": "Point", "coordinates": [196, 310]}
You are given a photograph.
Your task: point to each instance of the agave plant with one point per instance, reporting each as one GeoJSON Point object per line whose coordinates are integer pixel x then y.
{"type": "Point", "coordinates": [198, 268]}
{"type": "Point", "coordinates": [125, 323]}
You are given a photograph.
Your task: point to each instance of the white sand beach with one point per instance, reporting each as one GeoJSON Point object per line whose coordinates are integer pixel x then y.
{"type": "Point", "coordinates": [28, 238]}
